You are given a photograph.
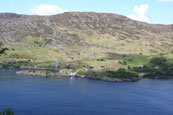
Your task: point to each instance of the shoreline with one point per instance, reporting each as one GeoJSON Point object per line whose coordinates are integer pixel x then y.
{"type": "Point", "coordinates": [35, 71]}
{"type": "Point", "coordinates": [56, 72]}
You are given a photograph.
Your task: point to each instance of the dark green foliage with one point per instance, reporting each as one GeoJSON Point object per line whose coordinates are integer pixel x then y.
{"type": "Point", "coordinates": [161, 54]}
{"type": "Point", "coordinates": [90, 67]}
{"type": "Point", "coordinates": [119, 62]}
{"type": "Point", "coordinates": [2, 50]}
{"type": "Point", "coordinates": [144, 69]}
{"type": "Point", "coordinates": [157, 61]}
{"type": "Point", "coordinates": [122, 74]}
{"type": "Point", "coordinates": [124, 55]}
{"type": "Point", "coordinates": [167, 68]}
{"type": "Point", "coordinates": [157, 65]}
{"type": "Point", "coordinates": [122, 62]}
{"type": "Point", "coordinates": [140, 53]}
{"type": "Point", "coordinates": [129, 67]}
{"type": "Point", "coordinates": [82, 73]}
{"type": "Point", "coordinates": [7, 112]}
{"type": "Point", "coordinates": [38, 43]}
{"type": "Point", "coordinates": [102, 66]}
{"type": "Point", "coordinates": [17, 64]}
{"type": "Point", "coordinates": [101, 59]}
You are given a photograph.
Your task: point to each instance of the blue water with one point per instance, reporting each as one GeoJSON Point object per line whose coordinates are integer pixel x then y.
{"type": "Point", "coordinates": [28, 95]}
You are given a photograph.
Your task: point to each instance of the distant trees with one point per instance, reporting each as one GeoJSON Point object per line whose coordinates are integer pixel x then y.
{"type": "Point", "coordinates": [2, 50]}
{"type": "Point", "coordinates": [157, 61]}
{"type": "Point", "coordinates": [122, 73]}
{"type": "Point", "coordinates": [156, 65]}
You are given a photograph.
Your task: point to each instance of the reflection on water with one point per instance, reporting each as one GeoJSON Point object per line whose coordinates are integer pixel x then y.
{"type": "Point", "coordinates": [31, 95]}
{"type": "Point", "coordinates": [13, 79]}
{"type": "Point", "coordinates": [48, 77]}
{"type": "Point", "coordinates": [7, 74]}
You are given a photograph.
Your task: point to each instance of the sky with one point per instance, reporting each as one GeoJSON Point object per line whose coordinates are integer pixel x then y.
{"type": "Point", "coordinates": [151, 11]}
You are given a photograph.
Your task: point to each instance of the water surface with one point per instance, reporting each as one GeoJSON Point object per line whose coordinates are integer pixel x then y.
{"type": "Point", "coordinates": [29, 95]}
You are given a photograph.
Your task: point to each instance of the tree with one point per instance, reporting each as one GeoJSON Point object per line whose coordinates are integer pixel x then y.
{"type": "Point", "coordinates": [129, 67]}
{"type": "Point", "coordinates": [2, 50]}
{"type": "Point", "coordinates": [122, 74]}
{"type": "Point", "coordinates": [157, 61]}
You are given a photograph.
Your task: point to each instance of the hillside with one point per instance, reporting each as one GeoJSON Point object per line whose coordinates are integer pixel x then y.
{"type": "Point", "coordinates": [98, 40]}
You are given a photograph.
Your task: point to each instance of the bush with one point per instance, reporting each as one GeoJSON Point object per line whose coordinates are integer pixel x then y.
{"type": "Point", "coordinates": [82, 73]}
{"type": "Point", "coordinates": [101, 59]}
{"type": "Point", "coordinates": [122, 73]}
{"type": "Point", "coordinates": [161, 54]}
{"type": "Point", "coordinates": [2, 50]}
{"type": "Point", "coordinates": [38, 43]}
{"type": "Point", "coordinates": [157, 61]}
{"type": "Point", "coordinates": [129, 67]}
{"type": "Point", "coordinates": [122, 63]}
{"type": "Point", "coordinates": [144, 69]}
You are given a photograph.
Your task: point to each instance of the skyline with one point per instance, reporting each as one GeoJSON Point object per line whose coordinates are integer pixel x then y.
{"type": "Point", "coordinates": [151, 11]}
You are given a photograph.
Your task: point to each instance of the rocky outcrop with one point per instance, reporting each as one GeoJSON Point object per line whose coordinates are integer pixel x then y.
{"type": "Point", "coordinates": [19, 26]}
{"type": "Point", "coordinates": [85, 29]}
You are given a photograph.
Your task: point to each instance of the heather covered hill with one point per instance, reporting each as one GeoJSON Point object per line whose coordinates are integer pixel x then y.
{"type": "Point", "coordinates": [82, 37]}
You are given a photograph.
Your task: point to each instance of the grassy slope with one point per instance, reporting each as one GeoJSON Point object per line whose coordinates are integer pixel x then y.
{"type": "Point", "coordinates": [99, 48]}
{"type": "Point", "coordinates": [90, 37]}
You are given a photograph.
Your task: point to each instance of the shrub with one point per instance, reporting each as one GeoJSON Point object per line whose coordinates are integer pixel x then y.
{"type": "Point", "coordinates": [157, 61]}
{"type": "Point", "coordinates": [122, 63]}
{"type": "Point", "coordinates": [2, 50]}
{"type": "Point", "coordinates": [161, 54]}
{"type": "Point", "coordinates": [101, 59]}
{"type": "Point", "coordinates": [129, 67]}
{"type": "Point", "coordinates": [121, 73]}
{"type": "Point", "coordinates": [82, 73]}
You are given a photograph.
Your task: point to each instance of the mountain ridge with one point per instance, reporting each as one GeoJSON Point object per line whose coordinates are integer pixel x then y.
{"type": "Point", "coordinates": [12, 15]}
{"type": "Point", "coordinates": [103, 21]}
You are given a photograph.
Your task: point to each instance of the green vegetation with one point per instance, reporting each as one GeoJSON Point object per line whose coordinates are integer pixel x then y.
{"type": "Point", "coordinates": [37, 72]}
{"type": "Point", "coordinates": [45, 72]}
{"type": "Point", "coordinates": [158, 61]}
{"type": "Point", "coordinates": [122, 74]}
{"type": "Point", "coordinates": [135, 60]}
{"type": "Point", "coordinates": [157, 65]}
{"type": "Point", "coordinates": [113, 75]}
{"type": "Point", "coordinates": [92, 62]}
{"type": "Point", "coordinates": [82, 48]}
{"type": "Point", "coordinates": [82, 73]}
{"type": "Point", "coordinates": [17, 64]}
{"type": "Point", "coordinates": [2, 50]}
{"type": "Point", "coordinates": [151, 65]}
{"type": "Point", "coordinates": [6, 112]}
